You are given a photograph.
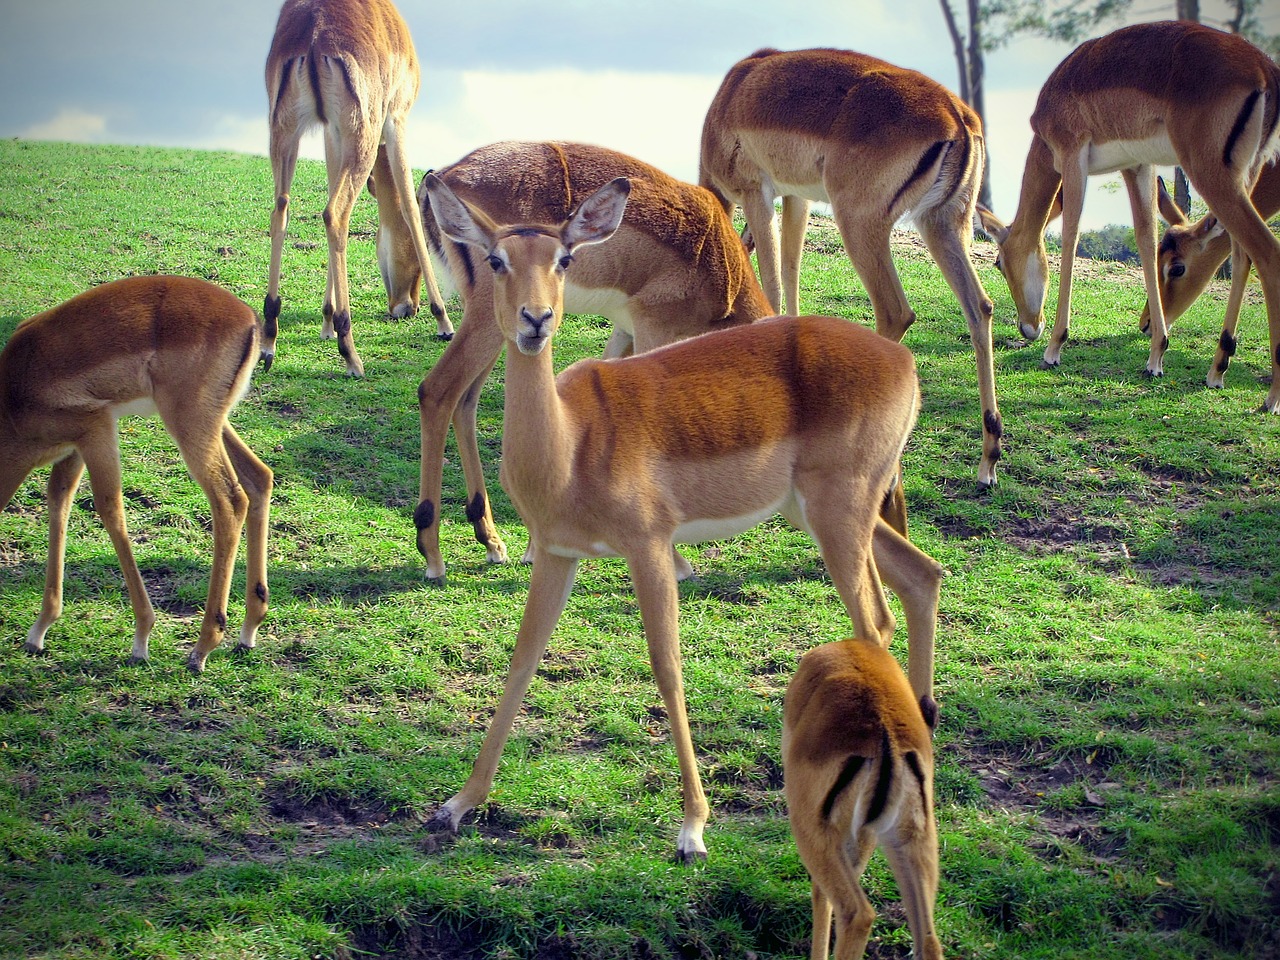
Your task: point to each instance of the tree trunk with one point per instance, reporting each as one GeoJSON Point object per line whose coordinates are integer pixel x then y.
{"type": "Point", "coordinates": [957, 41]}
{"type": "Point", "coordinates": [1188, 10]}
{"type": "Point", "coordinates": [977, 70]}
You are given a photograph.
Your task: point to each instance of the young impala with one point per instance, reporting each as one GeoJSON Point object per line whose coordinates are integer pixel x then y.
{"type": "Point", "coordinates": [675, 269]}
{"type": "Point", "coordinates": [1174, 92]}
{"type": "Point", "coordinates": [349, 66]}
{"type": "Point", "coordinates": [181, 348]}
{"type": "Point", "coordinates": [696, 440]}
{"type": "Point", "coordinates": [1191, 253]}
{"type": "Point", "coordinates": [857, 758]}
{"type": "Point", "coordinates": [880, 144]}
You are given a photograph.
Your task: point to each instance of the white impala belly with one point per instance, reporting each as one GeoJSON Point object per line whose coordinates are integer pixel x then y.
{"type": "Point", "coordinates": [1121, 154]}
{"type": "Point", "coordinates": [720, 528]}
{"type": "Point", "coordinates": [142, 407]}
{"type": "Point", "coordinates": [599, 301]}
{"type": "Point", "coordinates": [814, 192]}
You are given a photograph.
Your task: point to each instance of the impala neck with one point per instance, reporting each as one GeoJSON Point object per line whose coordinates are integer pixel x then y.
{"type": "Point", "coordinates": [1040, 184]}
{"type": "Point", "coordinates": [535, 430]}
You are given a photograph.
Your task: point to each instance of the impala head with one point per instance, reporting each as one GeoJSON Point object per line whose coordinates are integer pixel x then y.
{"type": "Point", "coordinates": [1189, 255]}
{"type": "Point", "coordinates": [1025, 265]}
{"type": "Point", "coordinates": [529, 261]}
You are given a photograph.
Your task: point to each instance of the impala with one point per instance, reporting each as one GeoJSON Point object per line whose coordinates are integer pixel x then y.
{"type": "Point", "coordinates": [674, 269]}
{"type": "Point", "coordinates": [857, 760]}
{"type": "Point", "coordinates": [349, 66]}
{"type": "Point", "coordinates": [1174, 92]}
{"type": "Point", "coordinates": [181, 348]}
{"type": "Point", "coordinates": [1191, 253]}
{"type": "Point", "coordinates": [880, 144]}
{"type": "Point", "coordinates": [696, 440]}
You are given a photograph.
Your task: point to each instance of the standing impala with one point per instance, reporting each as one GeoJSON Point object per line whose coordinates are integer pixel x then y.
{"type": "Point", "coordinates": [1174, 92]}
{"type": "Point", "coordinates": [696, 440]}
{"type": "Point", "coordinates": [349, 66]}
{"type": "Point", "coordinates": [1191, 253]}
{"type": "Point", "coordinates": [880, 144]}
{"type": "Point", "coordinates": [675, 269]}
{"type": "Point", "coordinates": [170, 345]}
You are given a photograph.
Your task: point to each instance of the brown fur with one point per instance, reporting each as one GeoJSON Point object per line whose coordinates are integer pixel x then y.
{"type": "Point", "coordinates": [1215, 99]}
{"type": "Point", "coordinates": [677, 267]}
{"type": "Point", "coordinates": [880, 143]}
{"type": "Point", "coordinates": [857, 757]}
{"type": "Point", "coordinates": [698, 439]}
{"type": "Point", "coordinates": [188, 347]}
{"type": "Point", "coordinates": [349, 66]}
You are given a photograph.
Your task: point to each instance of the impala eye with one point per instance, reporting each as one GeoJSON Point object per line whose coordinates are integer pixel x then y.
{"type": "Point", "coordinates": [495, 262]}
{"type": "Point", "coordinates": [1177, 269]}
{"type": "Point", "coordinates": [565, 261]}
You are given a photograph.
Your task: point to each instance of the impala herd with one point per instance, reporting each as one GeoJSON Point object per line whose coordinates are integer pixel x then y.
{"type": "Point", "coordinates": [708, 413]}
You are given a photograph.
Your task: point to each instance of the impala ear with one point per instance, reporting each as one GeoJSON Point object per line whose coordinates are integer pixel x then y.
{"type": "Point", "coordinates": [599, 216]}
{"type": "Point", "coordinates": [991, 225]}
{"type": "Point", "coordinates": [1171, 212]}
{"type": "Point", "coordinates": [1210, 227]}
{"type": "Point", "coordinates": [456, 219]}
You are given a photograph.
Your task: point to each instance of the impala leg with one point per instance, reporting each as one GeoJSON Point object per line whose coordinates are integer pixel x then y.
{"type": "Point", "coordinates": [479, 510]}
{"type": "Point", "coordinates": [1074, 175]}
{"type": "Point", "coordinates": [912, 852]}
{"type": "Point", "coordinates": [1237, 214]}
{"type": "Point", "coordinates": [836, 863]}
{"type": "Point", "coordinates": [949, 245]}
{"type": "Point", "coordinates": [284, 160]}
{"type": "Point", "coordinates": [208, 460]}
{"type": "Point", "coordinates": [549, 586]}
{"type": "Point", "coordinates": [102, 456]}
{"type": "Point", "coordinates": [348, 161]}
{"type": "Point", "coordinates": [795, 221]}
{"type": "Point", "coordinates": [1141, 182]}
{"type": "Point", "coordinates": [757, 206]}
{"type": "Point", "coordinates": [1240, 267]}
{"type": "Point", "coordinates": [463, 366]}
{"type": "Point", "coordinates": [653, 579]}
{"type": "Point", "coordinates": [63, 480]}
{"type": "Point", "coordinates": [916, 579]}
{"type": "Point", "coordinates": [406, 196]}
{"type": "Point", "coordinates": [866, 242]}
{"type": "Point", "coordinates": [820, 947]}
{"type": "Point", "coordinates": [256, 478]}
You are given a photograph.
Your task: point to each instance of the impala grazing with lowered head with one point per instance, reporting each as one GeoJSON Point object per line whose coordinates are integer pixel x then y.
{"type": "Point", "coordinates": [1174, 92]}
{"type": "Point", "coordinates": [181, 348]}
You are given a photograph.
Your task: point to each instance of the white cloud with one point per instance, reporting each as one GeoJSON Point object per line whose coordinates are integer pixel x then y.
{"type": "Point", "coordinates": [69, 123]}
{"type": "Point", "coordinates": [656, 117]}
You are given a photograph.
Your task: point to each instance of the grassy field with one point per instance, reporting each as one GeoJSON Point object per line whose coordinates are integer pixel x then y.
{"type": "Point", "coordinates": [1108, 663]}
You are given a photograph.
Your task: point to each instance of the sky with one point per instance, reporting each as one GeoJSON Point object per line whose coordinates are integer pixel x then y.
{"type": "Point", "coordinates": [633, 75]}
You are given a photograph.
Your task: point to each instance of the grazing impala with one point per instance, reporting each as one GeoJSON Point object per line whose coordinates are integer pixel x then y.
{"type": "Point", "coordinates": [349, 66]}
{"type": "Point", "coordinates": [880, 144]}
{"type": "Point", "coordinates": [675, 269]}
{"type": "Point", "coordinates": [170, 345]}
{"type": "Point", "coordinates": [1146, 95]}
{"type": "Point", "coordinates": [696, 440]}
{"type": "Point", "coordinates": [858, 763]}
{"type": "Point", "coordinates": [1191, 253]}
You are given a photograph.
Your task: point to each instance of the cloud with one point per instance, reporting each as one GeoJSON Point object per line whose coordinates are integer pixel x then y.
{"type": "Point", "coordinates": [656, 117]}
{"type": "Point", "coordinates": [70, 123]}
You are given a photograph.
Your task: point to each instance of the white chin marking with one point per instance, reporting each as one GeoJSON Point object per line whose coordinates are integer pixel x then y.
{"type": "Point", "coordinates": [530, 346]}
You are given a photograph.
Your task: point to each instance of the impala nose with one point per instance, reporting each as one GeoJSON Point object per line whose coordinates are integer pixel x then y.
{"type": "Point", "coordinates": [535, 318]}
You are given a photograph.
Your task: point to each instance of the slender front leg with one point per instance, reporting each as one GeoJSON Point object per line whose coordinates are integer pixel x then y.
{"type": "Point", "coordinates": [462, 366]}
{"type": "Point", "coordinates": [795, 220]}
{"type": "Point", "coordinates": [1141, 182]}
{"type": "Point", "coordinates": [549, 586]}
{"type": "Point", "coordinates": [63, 480]}
{"type": "Point", "coordinates": [757, 206]}
{"type": "Point", "coordinates": [1241, 266]}
{"type": "Point", "coordinates": [102, 456]}
{"type": "Point", "coordinates": [916, 580]}
{"type": "Point", "coordinates": [653, 577]}
{"type": "Point", "coordinates": [1075, 173]}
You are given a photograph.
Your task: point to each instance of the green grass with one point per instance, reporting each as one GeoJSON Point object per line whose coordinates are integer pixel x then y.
{"type": "Point", "coordinates": [1108, 663]}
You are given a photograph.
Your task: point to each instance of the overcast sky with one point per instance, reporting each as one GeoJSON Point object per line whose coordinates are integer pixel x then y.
{"type": "Point", "coordinates": [634, 75]}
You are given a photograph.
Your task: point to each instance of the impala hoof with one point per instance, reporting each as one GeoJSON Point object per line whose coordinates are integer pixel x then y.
{"type": "Point", "coordinates": [446, 337]}
{"type": "Point", "coordinates": [442, 822]}
{"type": "Point", "coordinates": [689, 858]}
